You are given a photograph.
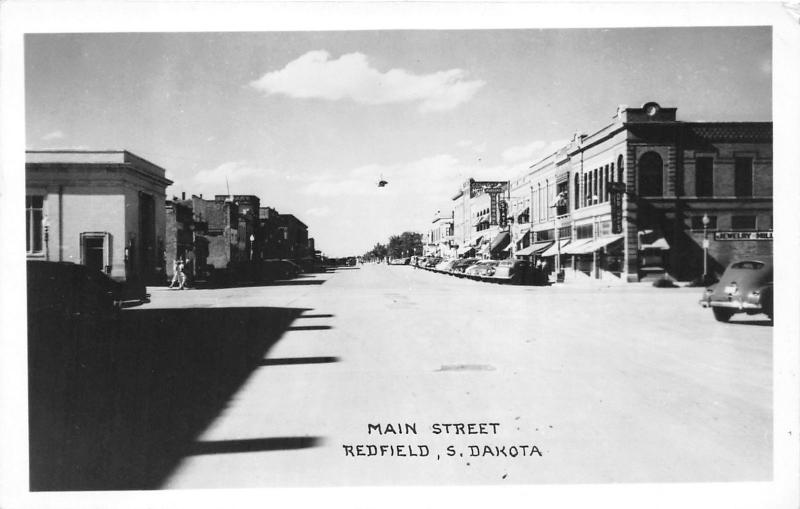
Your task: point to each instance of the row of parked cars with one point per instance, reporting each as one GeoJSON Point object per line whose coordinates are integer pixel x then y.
{"type": "Point", "coordinates": [518, 272]}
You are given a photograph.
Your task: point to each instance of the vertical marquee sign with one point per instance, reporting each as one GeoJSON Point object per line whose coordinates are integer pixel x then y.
{"type": "Point", "coordinates": [493, 193]}
{"type": "Point", "coordinates": [503, 207]}
{"type": "Point", "coordinates": [617, 189]}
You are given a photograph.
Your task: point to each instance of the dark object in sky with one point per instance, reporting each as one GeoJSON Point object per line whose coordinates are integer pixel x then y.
{"type": "Point", "coordinates": [381, 182]}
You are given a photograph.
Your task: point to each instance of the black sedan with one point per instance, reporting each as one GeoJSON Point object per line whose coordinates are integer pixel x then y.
{"type": "Point", "coordinates": [745, 287]}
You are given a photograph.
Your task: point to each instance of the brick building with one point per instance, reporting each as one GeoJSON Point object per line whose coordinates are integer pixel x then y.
{"type": "Point", "coordinates": [219, 235]}
{"type": "Point", "coordinates": [627, 202]}
{"type": "Point", "coordinates": [103, 209]}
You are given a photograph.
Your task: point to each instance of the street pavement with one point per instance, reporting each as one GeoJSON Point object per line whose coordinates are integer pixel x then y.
{"type": "Point", "coordinates": [600, 383]}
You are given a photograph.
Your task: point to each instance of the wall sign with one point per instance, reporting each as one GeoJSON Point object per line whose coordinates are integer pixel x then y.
{"type": "Point", "coordinates": [751, 235]}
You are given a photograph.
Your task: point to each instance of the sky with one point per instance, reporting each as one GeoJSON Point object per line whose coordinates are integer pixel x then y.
{"type": "Point", "coordinates": [311, 121]}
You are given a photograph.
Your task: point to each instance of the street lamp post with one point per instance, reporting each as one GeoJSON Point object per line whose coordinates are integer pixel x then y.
{"type": "Point", "coordinates": [706, 221]}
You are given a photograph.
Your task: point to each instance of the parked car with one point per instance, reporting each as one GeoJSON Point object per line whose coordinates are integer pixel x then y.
{"type": "Point", "coordinates": [445, 266]}
{"type": "Point", "coordinates": [483, 268]}
{"type": "Point", "coordinates": [278, 269]}
{"type": "Point", "coordinates": [516, 272]}
{"type": "Point", "coordinates": [432, 262]}
{"type": "Point", "coordinates": [64, 290]}
{"type": "Point", "coordinates": [461, 265]}
{"type": "Point", "coordinates": [745, 287]}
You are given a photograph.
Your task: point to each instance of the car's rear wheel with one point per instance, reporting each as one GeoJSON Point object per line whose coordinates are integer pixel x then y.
{"type": "Point", "coordinates": [722, 315]}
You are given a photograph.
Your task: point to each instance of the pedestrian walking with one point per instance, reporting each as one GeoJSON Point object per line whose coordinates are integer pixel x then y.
{"type": "Point", "coordinates": [182, 274]}
{"type": "Point", "coordinates": [176, 277]}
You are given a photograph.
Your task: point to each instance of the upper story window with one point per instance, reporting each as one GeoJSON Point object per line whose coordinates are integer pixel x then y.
{"type": "Point", "coordinates": [33, 223]}
{"type": "Point", "coordinates": [562, 198]}
{"type": "Point", "coordinates": [743, 222]}
{"type": "Point", "coordinates": [743, 177]}
{"type": "Point", "coordinates": [577, 191]}
{"type": "Point", "coordinates": [704, 176]}
{"type": "Point", "coordinates": [651, 175]}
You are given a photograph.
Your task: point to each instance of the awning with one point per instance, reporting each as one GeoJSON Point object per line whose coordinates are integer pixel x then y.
{"type": "Point", "coordinates": [500, 241]}
{"type": "Point", "coordinates": [576, 247]}
{"type": "Point", "coordinates": [524, 231]}
{"type": "Point", "coordinates": [464, 249]}
{"type": "Point", "coordinates": [601, 243]}
{"type": "Point", "coordinates": [477, 241]}
{"type": "Point", "coordinates": [554, 249]}
{"type": "Point", "coordinates": [660, 243]}
{"type": "Point", "coordinates": [590, 246]}
{"type": "Point", "coordinates": [534, 248]}
{"type": "Point", "coordinates": [508, 247]}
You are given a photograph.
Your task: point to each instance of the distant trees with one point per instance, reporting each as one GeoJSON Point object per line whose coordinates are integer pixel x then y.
{"type": "Point", "coordinates": [405, 244]}
{"type": "Point", "coordinates": [399, 246]}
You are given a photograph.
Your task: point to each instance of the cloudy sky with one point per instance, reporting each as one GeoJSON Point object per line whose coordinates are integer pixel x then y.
{"type": "Point", "coordinates": [310, 121]}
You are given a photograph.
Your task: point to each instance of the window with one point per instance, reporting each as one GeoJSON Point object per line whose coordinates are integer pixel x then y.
{"type": "Point", "coordinates": [743, 177]}
{"type": "Point", "coordinates": [743, 222]}
{"type": "Point", "coordinates": [577, 191]}
{"type": "Point", "coordinates": [704, 176]}
{"type": "Point", "coordinates": [33, 223]}
{"type": "Point", "coordinates": [697, 222]}
{"type": "Point", "coordinates": [584, 231]}
{"type": "Point", "coordinates": [619, 169]}
{"type": "Point", "coordinates": [563, 206]}
{"type": "Point", "coordinates": [651, 175]}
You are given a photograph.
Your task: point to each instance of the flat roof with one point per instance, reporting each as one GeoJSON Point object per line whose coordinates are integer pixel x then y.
{"type": "Point", "coordinates": [91, 157]}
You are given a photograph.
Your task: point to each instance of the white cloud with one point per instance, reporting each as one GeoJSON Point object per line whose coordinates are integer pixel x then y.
{"type": "Point", "coordinates": [316, 76]}
{"type": "Point", "coordinates": [55, 135]}
{"type": "Point", "coordinates": [531, 151]}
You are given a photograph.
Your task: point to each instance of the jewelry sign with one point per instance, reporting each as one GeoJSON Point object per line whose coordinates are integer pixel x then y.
{"type": "Point", "coordinates": [751, 235]}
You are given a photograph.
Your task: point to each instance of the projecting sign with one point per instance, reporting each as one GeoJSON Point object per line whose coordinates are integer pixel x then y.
{"type": "Point", "coordinates": [616, 190]}
{"type": "Point", "coordinates": [752, 235]}
{"type": "Point", "coordinates": [503, 206]}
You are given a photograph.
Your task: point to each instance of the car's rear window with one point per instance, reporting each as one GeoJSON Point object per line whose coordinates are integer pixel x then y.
{"type": "Point", "coordinates": [747, 265]}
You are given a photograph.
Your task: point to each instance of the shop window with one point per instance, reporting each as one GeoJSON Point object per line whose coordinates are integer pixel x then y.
{"type": "Point", "coordinates": [743, 222]}
{"type": "Point", "coordinates": [651, 175]}
{"type": "Point", "coordinates": [34, 206]}
{"type": "Point", "coordinates": [743, 177]}
{"type": "Point", "coordinates": [584, 231]}
{"type": "Point", "coordinates": [704, 176]}
{"type": "Point", "coordinates": [697, 222]}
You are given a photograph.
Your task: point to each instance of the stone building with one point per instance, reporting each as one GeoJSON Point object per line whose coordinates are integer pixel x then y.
{"type": "Point", "coordinates": [103, 209]}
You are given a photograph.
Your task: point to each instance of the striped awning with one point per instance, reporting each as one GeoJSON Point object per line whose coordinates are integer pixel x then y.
{"type": "Point", "coordinates": [555, 248]}
{"type": "Point", "coordinates": [535, 248]}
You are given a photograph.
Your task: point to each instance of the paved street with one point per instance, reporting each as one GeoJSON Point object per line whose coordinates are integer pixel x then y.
{"type": "Point", "coordinates": [601, 384]}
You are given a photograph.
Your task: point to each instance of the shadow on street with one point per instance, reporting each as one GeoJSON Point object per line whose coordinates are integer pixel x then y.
{"type": "Point", "coordinates": [116, 405]}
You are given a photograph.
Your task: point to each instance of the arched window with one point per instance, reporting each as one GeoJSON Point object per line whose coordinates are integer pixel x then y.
{"type": "Point", "coordinates": [651, 175]}
{"type": "Point", "coordinates": [577, 191]}
{"type": "Point", "coordinates": [619, 169]}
